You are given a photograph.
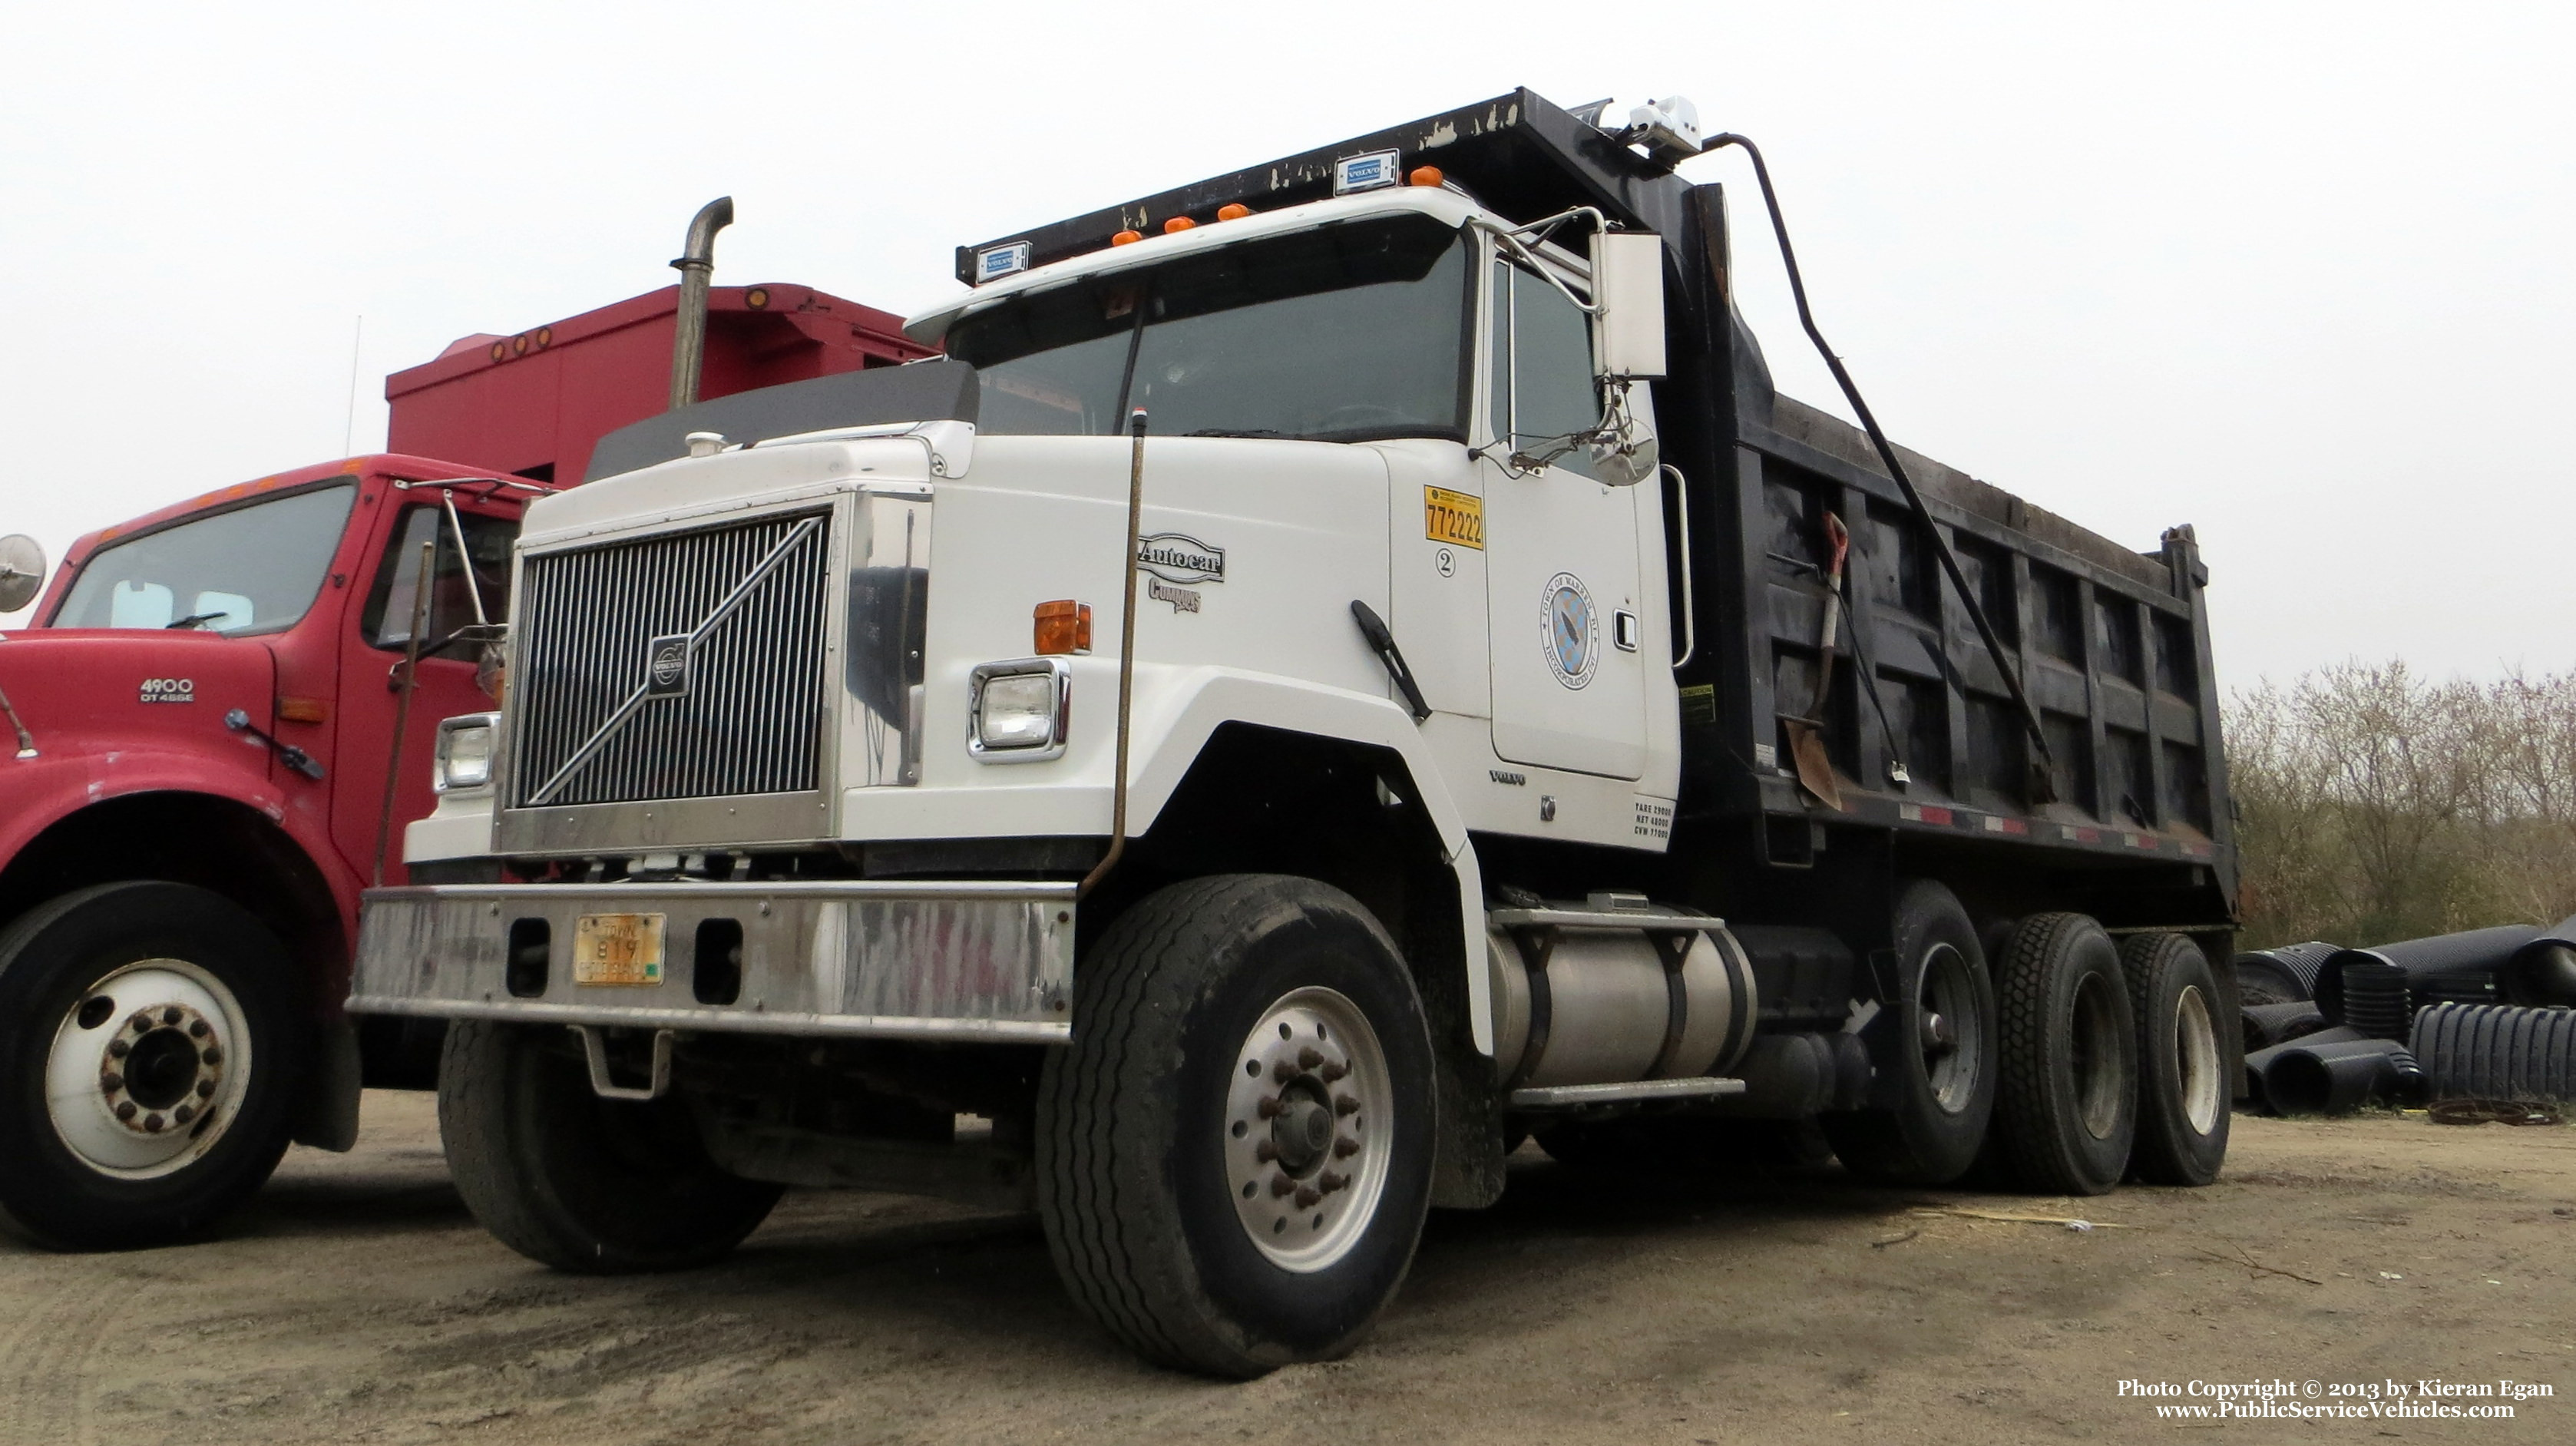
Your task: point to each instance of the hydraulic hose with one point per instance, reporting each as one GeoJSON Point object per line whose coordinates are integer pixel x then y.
{"type": "Point", "coordinates": [2042, 788]}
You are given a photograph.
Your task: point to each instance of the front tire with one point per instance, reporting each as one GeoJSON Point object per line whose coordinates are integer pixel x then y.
{"type": "Point", "coordinates": [150, 1048]}
{"type": "Point", "coordinates": [603, 1187]}
{"type": "Point", "coordinates": [2184, 1075]}
{"type": "Point", "coordinates": [1234, 1152]}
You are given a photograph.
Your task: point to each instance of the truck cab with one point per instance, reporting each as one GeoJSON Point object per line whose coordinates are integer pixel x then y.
{"type": "Point", "coordinates": [1301, 698]}
{"type": "Point", "coordinates": [222, 710]}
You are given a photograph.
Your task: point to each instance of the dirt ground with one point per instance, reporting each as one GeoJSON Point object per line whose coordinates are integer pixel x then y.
{"type": "Point", "coordinates": [359, 1302]}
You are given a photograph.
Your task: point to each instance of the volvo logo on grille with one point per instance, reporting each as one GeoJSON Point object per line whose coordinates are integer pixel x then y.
{"type": "Point", "coordinates": [666, 666]}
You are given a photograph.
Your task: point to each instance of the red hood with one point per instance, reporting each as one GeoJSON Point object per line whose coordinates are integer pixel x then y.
{"type": "Point", "coordinates": [98, 691]}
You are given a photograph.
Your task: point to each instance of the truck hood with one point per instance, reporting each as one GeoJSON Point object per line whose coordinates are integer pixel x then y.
{"type": "Point", "coordinates": [102, 690]}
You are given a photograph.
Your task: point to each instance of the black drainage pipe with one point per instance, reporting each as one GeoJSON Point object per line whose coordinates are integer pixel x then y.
{"type": "Point", "coordinates": [2496, 1052]}
{"type": "Point", "coordinates": [2265, 1025]}
{"type": "Point", "coordinates": [2284, 974]}
{"type": "Point", "coordinates": [2458, 967]}
{"type": "Point", "coordinates": [2543, 972]}
{"type": "Point", "coordinates": [2335, 1079]}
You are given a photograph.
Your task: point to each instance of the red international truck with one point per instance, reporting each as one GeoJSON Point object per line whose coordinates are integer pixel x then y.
{"type": "Point", "coordinates": [210, 732]}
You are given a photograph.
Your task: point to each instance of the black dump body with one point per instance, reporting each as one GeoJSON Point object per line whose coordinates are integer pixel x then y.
{"type": "Point", "coordinates": [2111, 645]}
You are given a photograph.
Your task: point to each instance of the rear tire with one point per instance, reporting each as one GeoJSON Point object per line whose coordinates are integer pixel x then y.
{"type": "Point", "coordinates": [151, 1045]}
{"type": "Point", "coordinates": [2067, 1106]}
{"type": "Point", "coordinates": [1234, 1152]}
{"type": "Point", "coordinates": [2185, 1076]}
{"type": "Point", "coordinates": [603, 1187]}
{"type": "Point", "coordinates": [1936, 1062]}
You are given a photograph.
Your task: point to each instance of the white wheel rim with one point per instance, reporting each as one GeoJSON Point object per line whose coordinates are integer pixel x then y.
{"type": "Point", "coordinates": [1309, 1129]}
{"type": "Point", "coordinates": [147, 1069]}
{"type": "Point", "coordinates": [2196, 1060]}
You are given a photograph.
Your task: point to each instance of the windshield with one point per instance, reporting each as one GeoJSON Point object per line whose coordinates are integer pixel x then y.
{"type": "Point", "coordinates": [252, 569]}
{"type": "Point", "coordinates": [1350, 332]}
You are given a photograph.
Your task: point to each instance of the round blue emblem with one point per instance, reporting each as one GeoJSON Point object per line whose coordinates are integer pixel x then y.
{"type": "Point", "coordinates": [1571, 633]}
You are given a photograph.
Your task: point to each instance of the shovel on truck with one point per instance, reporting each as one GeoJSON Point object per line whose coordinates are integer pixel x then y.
{"type": "Point", "coordinates": [1807, 734]}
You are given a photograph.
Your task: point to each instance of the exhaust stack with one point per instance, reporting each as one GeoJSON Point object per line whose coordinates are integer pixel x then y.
{"type": "Point", "coordinates": [697, 262]}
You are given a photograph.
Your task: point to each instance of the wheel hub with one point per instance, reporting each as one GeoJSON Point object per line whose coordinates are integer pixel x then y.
{"type": "Point", "coordinates": [146, 1067]}
{"type": "Point", "coordinates": [1306, 1132]}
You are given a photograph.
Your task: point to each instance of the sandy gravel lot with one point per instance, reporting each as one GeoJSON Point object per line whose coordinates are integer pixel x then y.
{"type": "Point", "coordinates": [359, 1302]}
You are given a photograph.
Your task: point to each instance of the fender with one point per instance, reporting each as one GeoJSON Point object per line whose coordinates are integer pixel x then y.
{"type": "Point", "coordinates": [1173, 720]}
{"type": "Point", "coordinates": [38, 793]}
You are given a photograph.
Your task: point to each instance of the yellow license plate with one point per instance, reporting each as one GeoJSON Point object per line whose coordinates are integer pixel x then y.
{"type": "Point", "coordinates": [1453, 517]}
{"type": "Point", "coordinates": [617, 949]}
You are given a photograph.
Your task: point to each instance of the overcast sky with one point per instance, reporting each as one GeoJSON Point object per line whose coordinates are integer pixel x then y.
{"type": "Point", "coordinates": [2297, 274]}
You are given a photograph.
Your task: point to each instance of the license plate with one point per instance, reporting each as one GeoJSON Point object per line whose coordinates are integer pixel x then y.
{"type": "Point", "coordinates": [617, 949]}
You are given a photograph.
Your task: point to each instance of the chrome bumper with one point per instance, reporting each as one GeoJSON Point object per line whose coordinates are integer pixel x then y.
{"type": "Point", "coordinates": [960, 961]}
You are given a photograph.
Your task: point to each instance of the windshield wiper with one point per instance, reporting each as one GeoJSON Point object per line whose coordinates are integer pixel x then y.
{"type": "Point", "coordinates": [193, 620]}
{"type": "Point", "coordinates": [1237, 432]}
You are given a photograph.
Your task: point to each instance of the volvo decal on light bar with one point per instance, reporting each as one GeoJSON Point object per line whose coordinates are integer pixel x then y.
{"type": "Point", "coordinates": [1366, 173]}
{"type": "Point", "coordinates": [995, 262]}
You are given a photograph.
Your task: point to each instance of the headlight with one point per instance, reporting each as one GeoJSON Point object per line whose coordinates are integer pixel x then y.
{"type": "Point", "coordinates": [465, 751]}
{"type": "Point", "coordinates": [1018, 710]}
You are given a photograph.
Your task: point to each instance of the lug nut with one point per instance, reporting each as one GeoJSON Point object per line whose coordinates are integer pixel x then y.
{"type": "Point", "coordinates": [1332, 1181]}
{"type": "Point", "coordinates": [1345, 1105]}
{"type": "Point", "coordinates": [111, 1082]}
{"type": "Point", "coordinates": [1282, 1185]}
{"type": "Point", "coordinates": [1307, 1195]}
{"type": "Point", "coordinates": [118, 1049]}
{"type": "Point", "coordinates": [152, 1123]}
{"type": "Point", "coordinates": [1333, 1072]}
{"type": "Point", "coordinates": [213, 1055]}
{"type": "Point", "coordinates": [1309, 1057]}
{"type": "Point", "coordinates": [206, 1091]}
{"type": "Point", "coordinates": [1283, 1071]}
{"type": "Point", "coordinates": [1343, 1149]}
{"type": "Point", "coordinates": [1269, 1108]}
{"type": "Point", "coordinates": [125, 1110]}
{"type": "Point", "coordinates": [184, 1113]}
{"type": "Point", "coordinates": [170, 1014]}
{"type": "Point", "coordinates": [197, 1028]}
{"type": "Point", "coordinates": [1265, 1152]}
{"type": "Point", "coordinates": [142, 1023]}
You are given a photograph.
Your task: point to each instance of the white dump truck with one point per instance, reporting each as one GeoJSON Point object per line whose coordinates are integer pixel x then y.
{"type": "Point", "coordinates": [1341, 668]}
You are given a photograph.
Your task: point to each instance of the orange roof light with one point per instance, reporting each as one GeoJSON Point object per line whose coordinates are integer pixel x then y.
{"type": "Point", "coordinates": [500, 350]}
{"type": "Point", "coordinates": [1126, 238]}
{"type": "Point", "coordinates": [1424, 176]}
{"type": "Point", "coordinates": [1233, 211]}
{"type": "Point", "coordinates": [545, 337]}
{"type": "Point", "coordinates": [1178, 224]}
{"type": "Point", "coordinates": [1063, 626]}
{"type": "Point", "coordinates": [756, 298]}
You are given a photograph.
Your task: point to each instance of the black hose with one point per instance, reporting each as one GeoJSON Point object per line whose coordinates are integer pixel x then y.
{"type": "Point", "coordinates": [2042, 789]}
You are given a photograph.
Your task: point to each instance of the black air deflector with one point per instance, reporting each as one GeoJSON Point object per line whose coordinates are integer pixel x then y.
{"type": "Point", "coordinates": [930, 391]}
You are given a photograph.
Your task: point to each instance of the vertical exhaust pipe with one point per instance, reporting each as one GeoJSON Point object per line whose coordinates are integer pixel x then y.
{"type": "Point", "coordinates": [697, 262]}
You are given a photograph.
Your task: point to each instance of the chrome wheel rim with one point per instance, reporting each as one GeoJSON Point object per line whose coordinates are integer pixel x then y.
{"type": "Point", "coordinates": [1950, 1032]}
{"type": "Point", "coordinates": [1308, 1131]}
{"type": "Point", "coordinates": [147, 1069]}
{"type": "Point", "coordinates": [2196, 1060]}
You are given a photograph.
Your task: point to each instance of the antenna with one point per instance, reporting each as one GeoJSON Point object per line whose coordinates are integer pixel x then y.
{"type": "Point", "coordinates": [349, 426]}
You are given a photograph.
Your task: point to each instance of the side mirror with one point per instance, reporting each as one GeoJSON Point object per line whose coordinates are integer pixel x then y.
{"type": "Point", "coordinates": [22, 571]}
{"type": "Point", "coordinates": [1628, 288]}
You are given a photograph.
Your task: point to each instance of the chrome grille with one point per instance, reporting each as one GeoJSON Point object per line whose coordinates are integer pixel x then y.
{"type": "Point", "coordinates": [735, 618]}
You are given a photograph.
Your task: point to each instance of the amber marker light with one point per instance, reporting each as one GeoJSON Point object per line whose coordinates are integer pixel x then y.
{"type": "Point", "coordinates": [545, 337]}
{"type": "Point", "coordinates": [1424, 176]}
{"type": "Point", "coordinates": [1233, 211]}
{"type": "Point", "coordinates": [303, 710]}
{"type": "Point", "coordinates": [519, 345]}
{"type": "Point", "coordinates": [756, 298]}
{"type": "Point", "coordinates": [1063, 626]}
{"type": "Point", "coordinates": [500, 351]}
{"type": "Point", "coordinates": [1178, 224]}
{"type": "Point", "coordinates": [1126, 238]}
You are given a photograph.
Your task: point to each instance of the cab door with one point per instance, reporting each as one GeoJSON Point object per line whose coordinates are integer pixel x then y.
{"type": "Point", "coordinates": [373, 648]}
{"type": "Point", "coordinates": [1562, 571]}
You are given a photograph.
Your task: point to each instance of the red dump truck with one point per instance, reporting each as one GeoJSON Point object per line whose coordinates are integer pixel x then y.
{"type": "Point", "coordinates": [210, 731]}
